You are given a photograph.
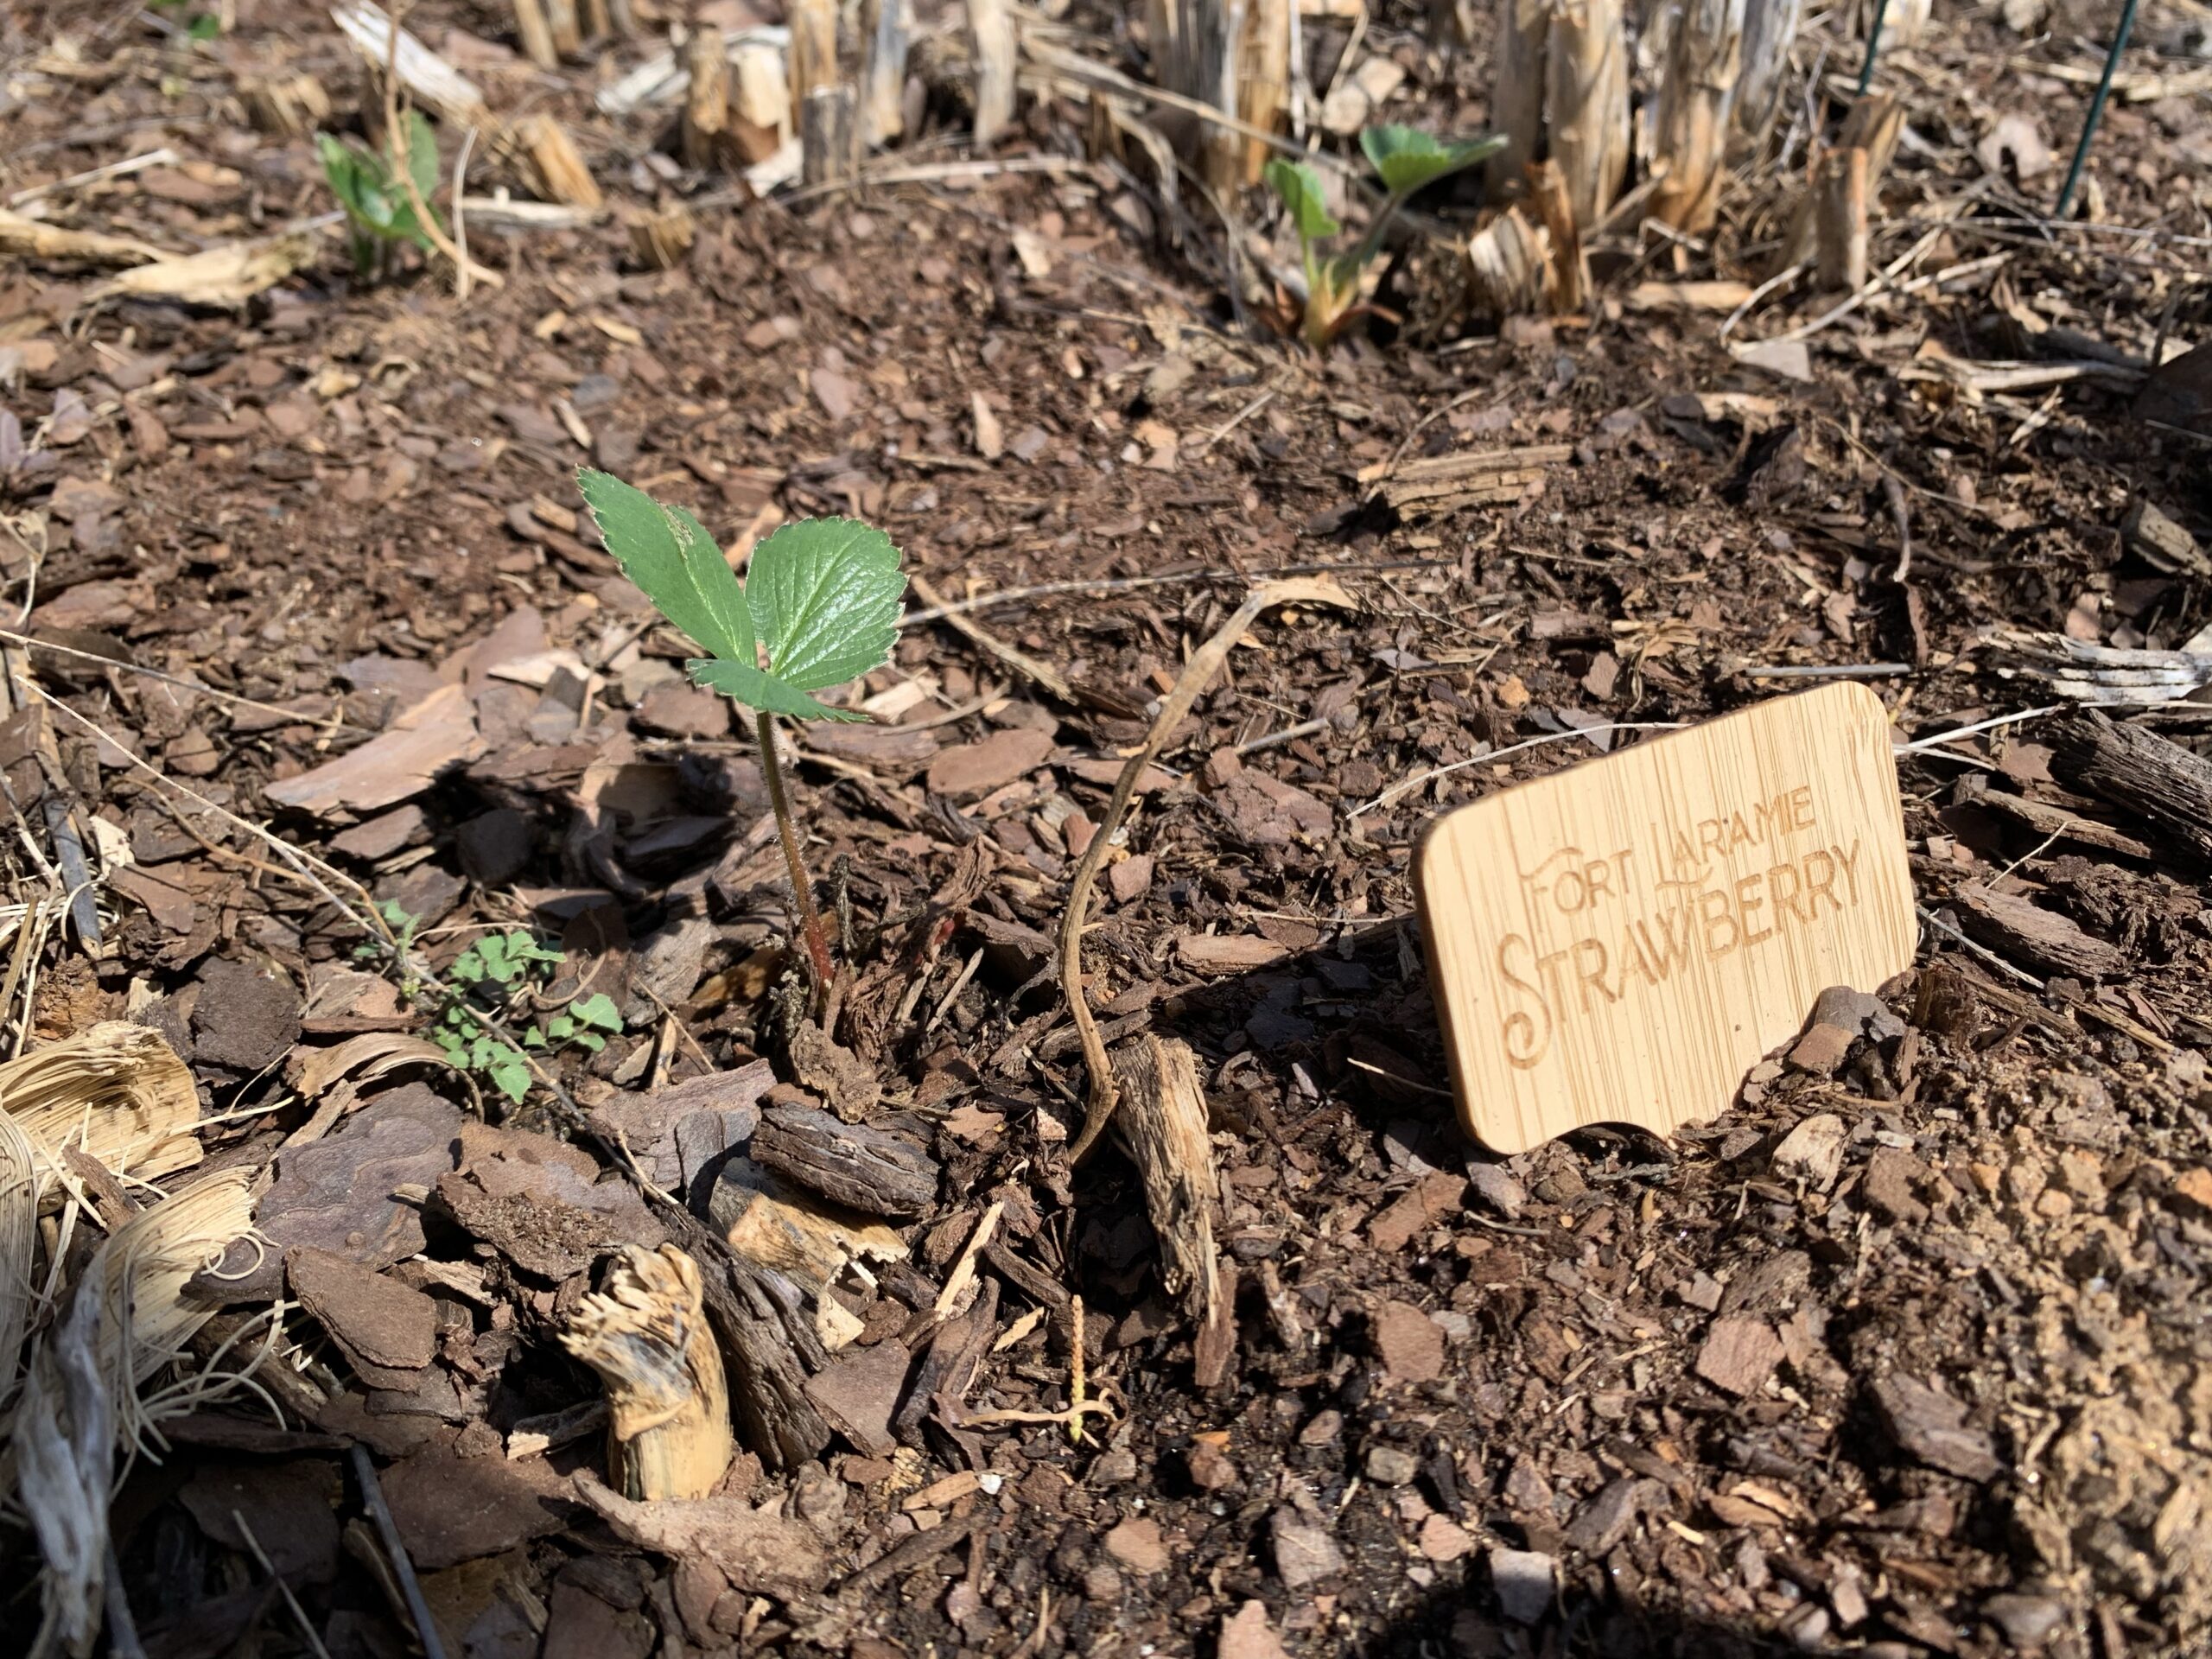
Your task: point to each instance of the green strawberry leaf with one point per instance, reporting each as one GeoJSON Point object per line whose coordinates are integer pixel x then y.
{"type": "Point", "coordinates": [757, 688]}
{"type": "Point", "coordinates": [676, 563]}
{"type": "Point", "coordinates": [1300, 187]}
{"type": "Point", "coordinates": [825, 595]}
{"type": "Point", "coordinates": [1407, 158]}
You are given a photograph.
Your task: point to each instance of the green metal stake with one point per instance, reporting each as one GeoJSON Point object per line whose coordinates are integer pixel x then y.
{"type": "Point", "coordinates": [1873, 46]}
{"type": "Point", "coordinates": [2096, 110]}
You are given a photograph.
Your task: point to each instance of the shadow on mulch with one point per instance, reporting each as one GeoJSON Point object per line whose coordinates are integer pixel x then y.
{"type": "Point", "coordinates": [1463, 1621]}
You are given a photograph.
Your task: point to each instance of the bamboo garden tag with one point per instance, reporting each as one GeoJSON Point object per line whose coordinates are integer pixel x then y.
{"type": "Point", "coordinates": [1620, 943]}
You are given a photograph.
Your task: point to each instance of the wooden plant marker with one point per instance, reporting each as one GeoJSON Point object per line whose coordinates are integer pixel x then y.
{"type": "Point", "coordinates": [1621, 942]}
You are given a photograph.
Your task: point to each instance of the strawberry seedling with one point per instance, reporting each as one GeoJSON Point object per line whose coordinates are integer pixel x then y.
{"type": "Point", "coordinates": [1406, 160]}
{"type": "Point", "coordinates": [379, 213]}
{"type": "Point", "coordinates": [819, 606]}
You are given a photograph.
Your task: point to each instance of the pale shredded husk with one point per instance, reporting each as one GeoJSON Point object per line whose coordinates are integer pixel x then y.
{"type": "Point", "coordinates": [140, 1274]}
{"type": "Point", "coordinates": [117, 1090]}
{"type": "Point", "coordinates": [19, 1190]}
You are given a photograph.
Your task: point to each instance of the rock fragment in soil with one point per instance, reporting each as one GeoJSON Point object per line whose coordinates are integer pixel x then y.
{"type": "Point", "coordinates": [1524, 1580]}
{"type": "Point", "coordinates": [1605, 1521]}
{"type": "Point", "coordinates": [1739, 1354]}
{"type": "Point", "coordinates": [1304, 1550]}
{"type": "Point", "coordinates": [1410, 1343]}
{"type": "Point", "coordinates": [1931, 1426]}
{"type": "Point", "coordinates": [1822, 1050]}
{"type": "Point", "coordinates": [1856, 1012]}
{"type": "Point", "coordinates": [2027, 1621]}
{"type": "Point", "coordinates": [1495, 1186]}
{"type": "Point", "coordinates": [1893, 1174]}
{"type": "Point", "coordinates": [1248, 1634]}
{"type": "Point", "coordinates": [1136, 1544]}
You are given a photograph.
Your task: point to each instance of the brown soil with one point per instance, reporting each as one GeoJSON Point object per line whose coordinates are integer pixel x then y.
{"type": "Point", "coordinates": [1695, 1384]}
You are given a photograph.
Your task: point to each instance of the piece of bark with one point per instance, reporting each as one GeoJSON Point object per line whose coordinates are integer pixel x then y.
{"type": "Point", "coordinates": [784, 1229]}
{"type": "Point", "coordinates": [767, 1341]}
{"type": "Point", "coordinates": [1928, 1424]}
{"type": "Point", "coordinates": [949, 1366]}
{"type": "Point", "coordinates": [1163, 1121]}
{"type": "Point", "coordinates": [2016, 926]}
{"type": "Point", "coordinates": [865, 1169]}
{"type": "Point", "coordinates": [645, 1332]}
{"type": "Point", "coordinates": [2168, 785]}
{"type": "Point", "coordinates": [2047, 820]}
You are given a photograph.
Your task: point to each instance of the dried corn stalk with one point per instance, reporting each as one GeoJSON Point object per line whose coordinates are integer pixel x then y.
{"type": "Point", "coordinates": [117, 1090]}
{"type": "Point", "coordinates": [1508, 265]}
{"type": "Point", "coordinates": [1697, 97]}
{"type": "Point", "coordinates": [1234, 56]}
{"type": "Point", "coordinates": [645, 1333]}
{"type": "Point", "coordinates": [1769, 29]}
{"type": "Point", "coordinates": [63, 1446]}
{"type": "Point", "coordinates": [128, 1320]}
{"type": "Point", "coordinates": [1562, 94]}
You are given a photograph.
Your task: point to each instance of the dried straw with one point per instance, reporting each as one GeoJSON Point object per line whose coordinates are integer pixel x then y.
{"type": "Point", "coordinates": [117, 1090]}
{"type": "Point", "coordinates": [140, 1274]}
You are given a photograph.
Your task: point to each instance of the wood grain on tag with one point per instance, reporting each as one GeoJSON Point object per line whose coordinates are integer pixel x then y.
{"type": "Point", "coordinates": [1621, 942]}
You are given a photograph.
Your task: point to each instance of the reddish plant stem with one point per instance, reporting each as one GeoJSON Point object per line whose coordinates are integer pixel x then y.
{"type": "Point", "coordinates": [809, 919]}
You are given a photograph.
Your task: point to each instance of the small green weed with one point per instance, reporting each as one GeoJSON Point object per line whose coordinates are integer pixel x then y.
{"type": "Point", "coordinates": [379, 214]}
{"type": "Point", "coordinates": [490, 989]}
{"type": "Point", "coordinates": [1405, 159]}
